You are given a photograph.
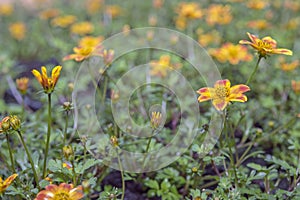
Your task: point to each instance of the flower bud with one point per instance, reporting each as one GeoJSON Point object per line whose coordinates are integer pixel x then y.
{"type": "Point", "coordinates": [68, 152]}
{"type": "Point", "coordinates": [67, 106]}
{"type": "Point", "coordinates": [15, 122]}
{"type": "Point", "coordinates": [5, 125]}
{"type": "Point", "coordinates": [86, 186]}
{"type": "Point", "coordinates": [114, 141]}
{"type": "Point", "coordinates": [156, 118]}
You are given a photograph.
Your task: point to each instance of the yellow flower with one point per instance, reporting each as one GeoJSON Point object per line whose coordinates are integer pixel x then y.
{"type": "Point", "coordinates": [93, 6]}
{"type": "Point", "coordinates": [222, 94]}
{"type": "Point", "coordinates": [218, 14]}
{"type": "Point", "coordinates": [4, 184]}
{"type": "Point", "coordinates": [62, 192]}
{"type": "Point", "coordinates": [161, 67]}
{"type": "Point", "coordinates": [17, 30]}
{"type": "Point", "coordinates": [189, 10]}
{"type": "Point", "coordinates": [6, 9]}
{"type": "Point", "coordinates": [208, 38]}
{"type": "Point", "coordinates": [265, 46]}
{"type": "Point", "coordinates": [231, 53]}
{"type": "Point", "coordinates": [288, 66]}
{"type": "Point", "coordinates": [296, 86]}
{"type": "Point", "coordinates": [47, 14]}
{"type": "Point", "coordinates": [82, 28]}
{"type": "Point", "coordinates": [156, 118]}
{"type": "Point", "coordinates": [63, 21]}
{"type": "Point", "coordinates": [82, 53]}
{"type": "Point", "coordinates": [90, 41]}
{"type": "Point", "coordinates": [114, 141]}
{"type": "Point", "coordinates": [257, 4]}
{"type": "Point", "coordinates": [48, 83]}
{"type": "Point", "coordinates": [113, 11]}
{"type": "Point", "coordinates": [260, 24]}
{"type": "Point", "coordinates": [22, 84]}
{"type": "Point", "coordinates": [5, 124]}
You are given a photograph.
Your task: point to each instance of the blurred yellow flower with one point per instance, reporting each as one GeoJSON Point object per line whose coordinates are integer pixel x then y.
{"type": "Point", "coordinates": [90, 41]}
{"type": "Point", "coordinates": [257, 4]}
{"type": "Point", "coordinates": [288, 66]}
{"type": "Point", "coordinates": [82, 28]}
{"type": "Point", "coordinates": [4, 184]}
{"type": "Point", "coordinates": [231, 53]}
{"type": "Point", "coordinates": [48, 83]}
{"type": "Point", "coordinates": [108, 56]}
{"type": "Point", "coordinates": [62, 192]}
{"type": "Point", "coordinates": [17, 30]}
{"type": "Point", "coordinates": [22, 84]}
{"type": "Point", "coordinates": [296, 86]}
{"type": "Point", "coordinates": [265, 46]}
{"type": "Point", "coordinates": [113, 11]}
{"type": "Point", "coordinates": [218, 14]}
{"type": "Point", "coordinates": [212, 37]}
{"type": "Point", "coordinates": [93, 6]}
{"type": "Point", "coordinates": [82, 53]}
{"type": "Point", "coordinates": [49, 13]}
{"type": "Point", "coordinates": [222, 93]}
{"type": "Point", "coordinates": [187, 11]}
{"type": "Point", "coordinates": [260, 24]}
{"type": "Point", "coordinates": [6, 9]}
{"type": "Point", "coordinates": [162, 66]}
{"type": "Point", "coordinates": [63, 21]}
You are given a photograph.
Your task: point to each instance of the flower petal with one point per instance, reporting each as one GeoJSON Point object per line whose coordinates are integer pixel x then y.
{"type": "Point", "coordinates": [220, 104]}
{"type": "Point", "coordinates": [270, 40]}
{"type": "Point", "coordinates": [205, 94]}
{"type": "Point", "coordinates": [239, 89]}
{"type": "Point", "coordinates": [253, 38]}
{"type": "Point", "coordinates": [37, 75]}
{"type": "Point", "coordinates": [223, 83]}
{"type": "Point", "coordinates": [282, 51]}
{"type": "Point", "coordinates": [238, 97]}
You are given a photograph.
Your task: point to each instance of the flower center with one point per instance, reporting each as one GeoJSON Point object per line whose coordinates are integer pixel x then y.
{"type": "Point", "coordinates": [62, 196]}
{"type": "Point", "coordinates": [265, 45]}
{"type": "Point", "coordinates": [221, 92]}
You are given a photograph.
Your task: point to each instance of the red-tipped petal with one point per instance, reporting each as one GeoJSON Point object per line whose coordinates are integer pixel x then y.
{"type": "Point", "coordinates": [239, 98]}
{"type": "Point", "coordinates": [223, 83]}
{"type": "Point", "coordinates": [282, 51]}
{"type": "Point", "coordinates": [253, 38]}
{"type": "Point", "coordinates": [219, 104]}
{"type": "Point", "coordinates": [239, 89]}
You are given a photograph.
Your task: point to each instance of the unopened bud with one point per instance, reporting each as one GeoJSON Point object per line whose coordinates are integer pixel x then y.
{"type": "Point", "coordinates": [114, 141]}
{"type": "Point", "coordinates": [5, 125]}
{"type": "Point", "coordinates": [15, 122]}
{"type": "Point", "coordinates": [156, 118]}
{"type": "Point", "coordinates": [68, 152]}
{"type": "Point", "coordinates": [86, 186]}
{"type": "Point", "coordinates": [67, 106]}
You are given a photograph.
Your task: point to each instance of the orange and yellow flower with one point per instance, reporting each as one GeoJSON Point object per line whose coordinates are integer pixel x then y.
{"type": "Point", "coordinates": [231, 53]}
{"type": "Point", "coordinates": [265, 46]}
{"type": "Point", "coordinates": [82, 53]}
{"type": "Point", "coordinates": [82, 28]}
{"type": "Point", "coordinates": [93, 6]}
{"type": "Point", "coordinates": [260, 24]}
{"type": "Point", "coordinates": [296, 86]}
{"type": "Point", "coordinates": [257, 4]}
{"type": "Point", "coordinates": [162, 66]}
{"type": "Point", "coordinates": [17, 30]}
{"type": "Point", "coordinates": [48, 83]}
{"type": "Point", "coordinates": [63, 21]}
{"type": "Point", "coordinates": [222, 93]}
{"type": "Point", "coordinates": [218, 14]}
{"type": "Point", "coordinates": [288, 66]}
{"type": "Point", "coordinates": [212, 37]}
{"type": "Point", "coordinates": [62, 192]}
{"type": "Point", "coordinates": [5, 184]}
{"type": "Point", "coordinates": [187, 11]}
{"type": "Point", "coordinates": [22, 84]}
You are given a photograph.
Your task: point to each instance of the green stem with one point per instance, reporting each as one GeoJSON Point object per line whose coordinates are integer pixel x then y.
{"type": "Point", "coordinates": [10, 154]}
{"type": "Point", "coordinates": [66, 128]}
{"type": "Point", "coordinates": [254, 71]}
{"type": "Point", "coordinates": [48, 135]}
{"type": "Point", "coordinates": [30, 159]}
{"type": "Point", "coordinates": [73, 171]}
{"type": "Point", "coordinates": [122, 175]}
{"type": "Point", "coordinates": [147, 149]}
{"type": "Point", "coordinates": [104, 88]}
